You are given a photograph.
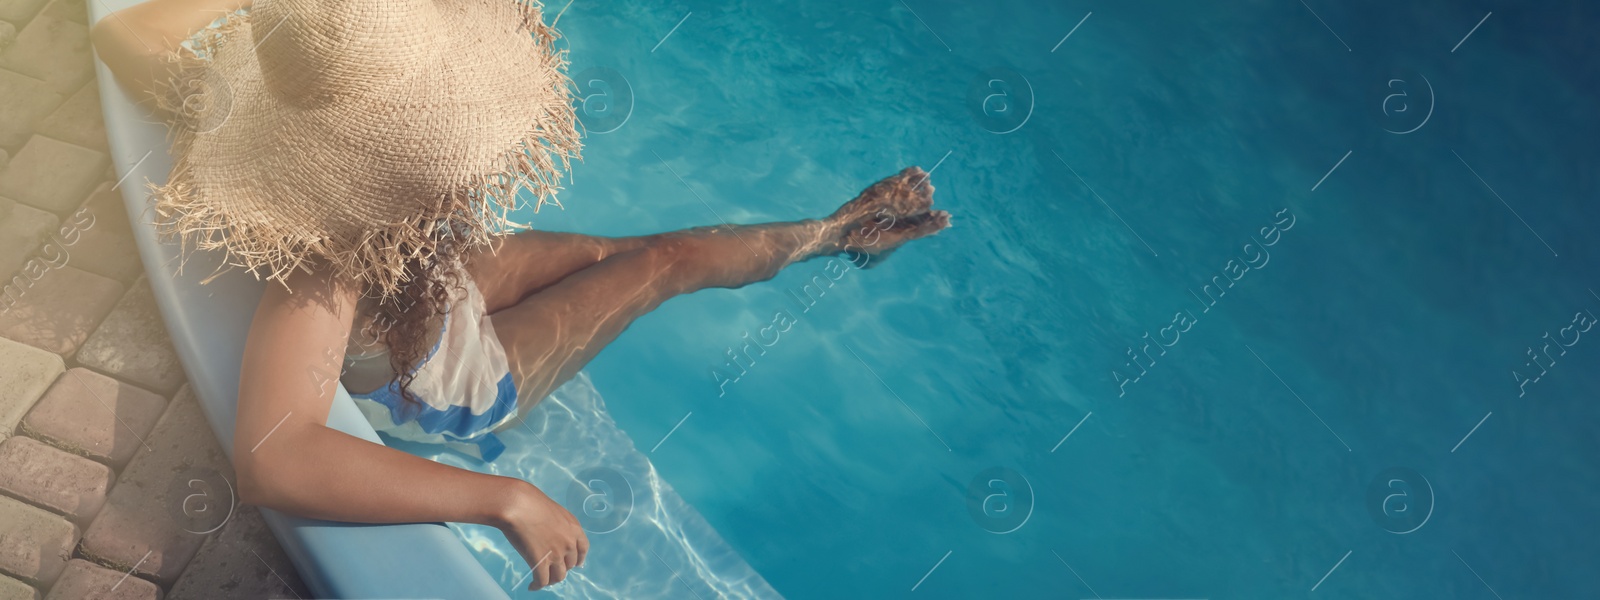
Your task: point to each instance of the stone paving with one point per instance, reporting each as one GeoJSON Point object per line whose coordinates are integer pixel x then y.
{"type": "Point", "coordinates": [111, 483]}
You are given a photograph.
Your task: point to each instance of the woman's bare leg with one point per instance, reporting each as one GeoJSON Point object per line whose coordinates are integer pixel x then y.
{"type": "Point", "coordinates": [530, 261]}
{"type": "Point", "coordinates": [551, 334]}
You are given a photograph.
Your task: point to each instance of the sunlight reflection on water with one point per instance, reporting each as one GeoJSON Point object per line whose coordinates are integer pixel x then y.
{"type": "Point", "coordinates": [645, 541]}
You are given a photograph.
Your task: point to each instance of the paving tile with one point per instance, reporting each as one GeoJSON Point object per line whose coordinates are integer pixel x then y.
{"type": "Point", "coordinates": [11, 589]}
{"type": "Point", "coordinates": [53, 49]}
{"type": "Point", "coordinates": [27, 373]}
{"type": "Point", "coordinates": [53, 175]}
{"type": "Point", "coordinates": [84, 579]}
{"type": "Point", "coordinates": [34, 544]}
{"type": "Point", "coordinates": [23, 231]}
{"type": "Point", "coordinates": [54, 480]}
{"type": "Point", "coordinates": [93, 415]}
{"type": "Point", "coordinates": [242, 560]}
{"type": "Point", "coordinates": [132, 344]}
{"type": "Point", "coordinates": [8, 35]}
{"type": "Point", "coordinates": [145, 516]}
{"type": "Point", "coordinates": [28, 101]}
{"type": "Point", "coordinates": [76, 11]}
{"type": "Point", "coordinates": [78, 120]}
{"type": "Point", "coordinates": [60, 310]}
{"type": "Point", "coordinates": [19, 12]}
{"type": "Point", "coordinates": [106, 246]}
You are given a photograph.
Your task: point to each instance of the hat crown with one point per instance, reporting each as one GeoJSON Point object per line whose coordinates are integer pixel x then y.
{"type": "Point", "coordinates": [315, 50]}
{"type": "Point", "coordinates": [354, 131]}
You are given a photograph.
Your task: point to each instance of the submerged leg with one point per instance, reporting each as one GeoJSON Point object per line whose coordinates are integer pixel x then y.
{"type": "Point", "coordinates": [550, 335]}
{"type": "Point", "coordinates": [530, 261]}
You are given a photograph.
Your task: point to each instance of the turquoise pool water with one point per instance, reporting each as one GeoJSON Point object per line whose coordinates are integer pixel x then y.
{"type": "Point", "coordinates": [1343, 422]}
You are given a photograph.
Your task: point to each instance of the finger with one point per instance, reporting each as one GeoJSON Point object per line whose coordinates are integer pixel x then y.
{"type": "Point", "coordinates": [541, 578]}
{"type": "Point", "coordinates": [583, 548]}
{"type": "Point", "coordinates": [558, 572]}
{"type": "Point", "coordinates": [541, 573]}
{"type": "Point", "coordinates": [570, 559]}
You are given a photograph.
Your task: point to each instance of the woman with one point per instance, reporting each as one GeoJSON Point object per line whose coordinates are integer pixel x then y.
{"type": "Point", "coordinates": [364, 154]}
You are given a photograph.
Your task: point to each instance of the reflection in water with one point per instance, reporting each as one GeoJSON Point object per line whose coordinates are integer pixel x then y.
{"type": "Point", "coordinates": [662, 547]}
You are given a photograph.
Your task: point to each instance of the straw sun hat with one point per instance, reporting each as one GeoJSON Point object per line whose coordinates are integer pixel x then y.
{"type": "Point", "coordinates": [357, 130]}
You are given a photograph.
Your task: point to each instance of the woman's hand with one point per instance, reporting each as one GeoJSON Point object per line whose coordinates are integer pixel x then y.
{"type": "Point", "coordinates": [545, 533]}
{"type": "Point", "coordinates": [282, 444]}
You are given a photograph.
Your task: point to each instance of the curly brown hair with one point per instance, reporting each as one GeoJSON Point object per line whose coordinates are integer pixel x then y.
{"type": "Point", "coordinates": [404, 320]}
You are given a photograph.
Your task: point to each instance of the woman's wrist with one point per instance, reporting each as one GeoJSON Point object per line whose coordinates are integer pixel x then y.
{"type": "Point", "coordinates": [508, 498]}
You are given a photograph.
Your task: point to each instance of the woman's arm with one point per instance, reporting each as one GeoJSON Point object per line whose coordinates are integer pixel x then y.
{"type": "Point", "coordinates": [286, 457]}
{"type": "Point", "coordinates": [134, 41]}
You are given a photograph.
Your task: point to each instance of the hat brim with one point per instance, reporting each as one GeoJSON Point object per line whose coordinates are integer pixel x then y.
{"type": "Point", "coordinates": [366, 179]}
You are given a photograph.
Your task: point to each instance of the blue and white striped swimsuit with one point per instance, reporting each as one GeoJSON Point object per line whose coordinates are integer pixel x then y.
{"type": "Point", "coordinates": [464, 385]}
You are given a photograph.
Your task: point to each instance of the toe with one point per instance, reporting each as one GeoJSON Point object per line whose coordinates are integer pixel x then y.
{"type": "Point", "coordinates": [911, 177]}
{"type": "Point", "coordinates": [923, 200]}
{"type": "Point", "coordinates": [923, 225]}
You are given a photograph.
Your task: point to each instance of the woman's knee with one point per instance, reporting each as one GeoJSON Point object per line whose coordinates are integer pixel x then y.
{"type": "Point", "coordinates": [682, 264]}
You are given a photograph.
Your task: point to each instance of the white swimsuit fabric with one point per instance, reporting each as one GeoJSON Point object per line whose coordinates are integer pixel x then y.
{"type": "Point", "coordinates": [465, 387]}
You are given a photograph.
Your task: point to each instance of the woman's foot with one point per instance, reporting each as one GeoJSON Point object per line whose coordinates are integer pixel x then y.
{"type": "Point", "coordinates": [886, 215]}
